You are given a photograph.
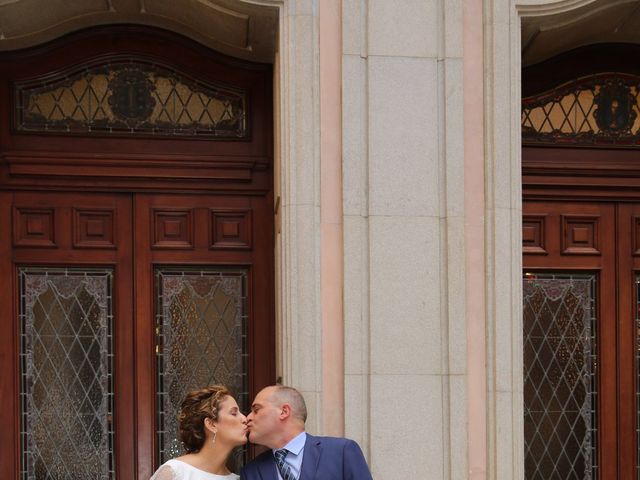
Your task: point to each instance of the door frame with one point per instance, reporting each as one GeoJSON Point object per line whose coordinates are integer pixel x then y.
{"type": "Point", "coordinates": [595, 173]}
{"type": "Point", "coordinates": [54, 163]}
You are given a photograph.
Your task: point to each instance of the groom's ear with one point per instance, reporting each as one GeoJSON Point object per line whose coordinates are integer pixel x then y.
{"type": "Point", "coordinates": [285, 411]}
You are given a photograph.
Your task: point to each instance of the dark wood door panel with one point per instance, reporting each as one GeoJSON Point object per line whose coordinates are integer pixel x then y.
{"type": "Point", "coordinates": [567, 235]}
{"type": "Point", "coordinates": [628, 265]}
{"type": "Point", "coordinates": [579, 236]}
{"type": "Point", "coordinates": [9, 420]}
{"type": "Point", "coordinates": [200, 231]}
{"type": "Point", "coordinates": [83, 228]}
{"type": "Point", "coordinates": [55, 230]}
{"type": "Point", "coordinates": [618, 265]}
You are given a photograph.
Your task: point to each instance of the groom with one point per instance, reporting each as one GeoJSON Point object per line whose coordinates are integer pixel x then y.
{"type": "Point", "coordinates": [276, 421]}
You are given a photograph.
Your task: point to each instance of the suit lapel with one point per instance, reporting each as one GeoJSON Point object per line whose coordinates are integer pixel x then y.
{"type": "Point", "coordinates": [267, 468]}
{"type": "Point", "coordinates": [311, 458]}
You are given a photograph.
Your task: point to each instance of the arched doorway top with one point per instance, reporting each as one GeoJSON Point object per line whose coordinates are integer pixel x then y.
{"type": "Point", "coordinates": [551, 28]}
{"type": "Point", "coordinates": [240, 29]}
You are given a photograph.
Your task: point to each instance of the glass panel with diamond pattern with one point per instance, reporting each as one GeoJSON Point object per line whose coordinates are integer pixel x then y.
{"type": "Point", "coordinates": [560, 377]}
{"type": "Point", "coordinates": [201, 325]}
{"type": "Point", "coordinates": [598, 110]}
{"type": "Point", "coordinates": [129, 96]}
{"type": "Point", "coordinates": [66, 359]}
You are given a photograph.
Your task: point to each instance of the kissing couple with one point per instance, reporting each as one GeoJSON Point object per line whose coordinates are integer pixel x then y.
{"type": "Point", "coordinates": [211, 425]}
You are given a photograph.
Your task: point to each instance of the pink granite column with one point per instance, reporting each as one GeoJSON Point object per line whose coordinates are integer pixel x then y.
{"type": "Point", "coordinates": [331, 228]}
{"type": "Point", "coordinates": [475, 262]}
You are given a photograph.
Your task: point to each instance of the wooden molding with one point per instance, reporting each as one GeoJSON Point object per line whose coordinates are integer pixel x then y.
{"type": "Point", "coordinates": [533, 234]}
{"type": "Point", "coordinates": [94, 228]}
{"type": "Point", "coordinates": [580, 235]}
{"type": "Point", "coordinates": [34, 227]}
{"type": "Point", "coordinates": [172, 228]}
{"type": "Point", "coordinates": [230, 230]}
{"type": "Point", "coordinates": [38, 164]}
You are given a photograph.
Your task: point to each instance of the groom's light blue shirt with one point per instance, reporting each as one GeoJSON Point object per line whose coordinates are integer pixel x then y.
{"type": "Point", "coordinates": [296, 451]}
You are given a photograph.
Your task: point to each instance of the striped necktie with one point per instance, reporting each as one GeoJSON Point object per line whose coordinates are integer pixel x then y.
{"type": "Point", "coordinates": [283, 467]}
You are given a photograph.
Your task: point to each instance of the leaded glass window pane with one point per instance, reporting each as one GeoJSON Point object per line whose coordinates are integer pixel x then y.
{"type": "Point", "coordinates": [598, 109]}
{"type": "Point", "coordinates": [201, 324]}
{"type": "Point", "coordinates": [560, 377]}
{"type": "Point", "coordinates": [129, 96]}
{"type": "Point", "coordinates": [66, 359]}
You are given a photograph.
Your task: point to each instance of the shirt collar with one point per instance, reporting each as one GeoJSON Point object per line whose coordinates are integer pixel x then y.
{"type": "Point", "coordinates": [296, 444]}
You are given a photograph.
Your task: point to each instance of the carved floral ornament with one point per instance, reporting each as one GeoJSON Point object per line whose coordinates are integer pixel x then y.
{"type": "Point", "coordinates": [129, 97]}
{"type": "Point", "coordinates": [599, 109]}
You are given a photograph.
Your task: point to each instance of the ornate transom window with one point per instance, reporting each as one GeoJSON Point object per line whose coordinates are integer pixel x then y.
{"type": "Point", "coordinates": [129, 96]}
{"type": "Point", "coordinates": [600, 109]}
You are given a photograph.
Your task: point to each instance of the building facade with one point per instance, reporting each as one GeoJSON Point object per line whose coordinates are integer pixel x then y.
{"type": "Point", "coordinates": [345, 195]}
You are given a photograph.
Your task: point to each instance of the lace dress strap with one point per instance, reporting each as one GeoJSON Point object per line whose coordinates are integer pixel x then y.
{"type": "Point", "coordinates": [165, 472]}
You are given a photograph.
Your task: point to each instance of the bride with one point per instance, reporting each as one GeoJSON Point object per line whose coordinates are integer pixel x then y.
{"type": "Point", "coordinates": [211, 425]}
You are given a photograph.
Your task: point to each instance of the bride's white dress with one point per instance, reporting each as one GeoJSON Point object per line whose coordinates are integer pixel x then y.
{"type": "Point", "coordinates": [178, 470]}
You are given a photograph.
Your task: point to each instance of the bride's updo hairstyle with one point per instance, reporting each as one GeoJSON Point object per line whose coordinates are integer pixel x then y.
{"type": "Point", "coordinates": [196, 407]}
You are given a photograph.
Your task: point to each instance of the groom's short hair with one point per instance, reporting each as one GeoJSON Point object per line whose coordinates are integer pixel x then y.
{"type": "Point", "coordinates": [294, 398]}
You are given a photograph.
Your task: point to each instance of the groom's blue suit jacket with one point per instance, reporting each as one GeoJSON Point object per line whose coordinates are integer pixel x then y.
{"type": "Point", "coordinates": [325, 458]}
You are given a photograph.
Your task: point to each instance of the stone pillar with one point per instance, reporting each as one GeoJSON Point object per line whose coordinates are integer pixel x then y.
{"type": "Point", "coordinates": [403, 174]}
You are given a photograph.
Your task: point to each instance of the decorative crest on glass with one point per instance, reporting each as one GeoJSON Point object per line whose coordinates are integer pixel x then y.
{"type": "Point", "coordinates": [599, 109]}
{"type": "Point", "coordinates": [129, 96]}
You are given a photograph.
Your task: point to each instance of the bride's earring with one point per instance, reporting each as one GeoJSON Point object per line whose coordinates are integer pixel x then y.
{"type": "Point", "coordinates": [213, 440]}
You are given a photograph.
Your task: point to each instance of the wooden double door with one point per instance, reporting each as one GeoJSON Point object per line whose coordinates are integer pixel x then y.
{"type": "Point", "coordinates": [581, 345]}
{"type": "Point", "coordinates": [136, 245]}
{"type": "Point", "coordinates": [112, 306]}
